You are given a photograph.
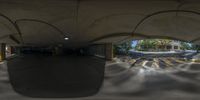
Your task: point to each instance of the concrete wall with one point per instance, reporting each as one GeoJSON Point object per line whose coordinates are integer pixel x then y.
{"type": "Point", "coordinates": [97, 50]}
{"type": "Point", "coordinates": [102, 50]}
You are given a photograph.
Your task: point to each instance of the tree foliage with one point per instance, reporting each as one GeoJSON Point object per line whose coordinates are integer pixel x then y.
{"type": "Point", "coordinates": [145, 45]}
{"type": "Point", "coordinates": [186, 46]}
{"type": "Point", "coordinates": [151, 44]}
{"type": "Point", "coordinates": [123, 48]}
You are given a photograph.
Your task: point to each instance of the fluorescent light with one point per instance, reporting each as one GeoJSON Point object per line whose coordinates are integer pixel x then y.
{"type": "Point", "coordinates": [66, 38]}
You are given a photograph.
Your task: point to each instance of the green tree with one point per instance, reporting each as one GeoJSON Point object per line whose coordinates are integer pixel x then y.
{"type": "Point", "coordinates": [195, 47]}
{"type": "Point", "coordinates": [145, 45]}
{"type": "Point", "coordinates": [162, 43]}
{"type": "Point", "coordinates": [186, 46]}
{"type": "Point", "coordinates": [123, 47]}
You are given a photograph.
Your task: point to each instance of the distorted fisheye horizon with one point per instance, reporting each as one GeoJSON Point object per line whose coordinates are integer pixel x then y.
{"type": "Point", "coordinates": [99, 49]}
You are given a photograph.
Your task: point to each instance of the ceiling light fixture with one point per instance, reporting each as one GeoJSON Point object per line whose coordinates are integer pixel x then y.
{"type": "Point", "coordinates": [66, 38]}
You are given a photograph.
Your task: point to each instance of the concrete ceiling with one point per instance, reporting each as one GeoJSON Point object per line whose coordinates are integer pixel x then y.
{"type": "Point", "coordinates": [97, 21]}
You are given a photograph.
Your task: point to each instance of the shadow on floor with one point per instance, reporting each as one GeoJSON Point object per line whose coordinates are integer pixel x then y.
{"type": "Point", "coordinates": [56, 76]}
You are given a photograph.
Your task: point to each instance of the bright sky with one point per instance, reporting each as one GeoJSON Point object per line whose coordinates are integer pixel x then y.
{"type": "Point", "coordinates": [134, 43]}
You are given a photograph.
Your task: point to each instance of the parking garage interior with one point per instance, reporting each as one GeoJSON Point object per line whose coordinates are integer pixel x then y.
{"type": "Point", "coordinates": [65, 49]}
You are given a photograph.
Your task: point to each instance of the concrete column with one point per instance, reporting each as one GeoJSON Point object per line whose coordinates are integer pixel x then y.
{"type": "Point", "coordinates": [109, 51]}
{"type": "Point", "coordinates": [3, 51]}
{"type": "Point", "coordinates": [11, 49]}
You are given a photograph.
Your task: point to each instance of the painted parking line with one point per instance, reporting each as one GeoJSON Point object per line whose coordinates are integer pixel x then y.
{"type": "Point", "coordinates": [165, 63]}
{"type": "Point", "coordinates": [177, 60]}
{"type": "Point", "coordinates": [147, 67]}
{"type": "Point", "coordinates": [169, 62]}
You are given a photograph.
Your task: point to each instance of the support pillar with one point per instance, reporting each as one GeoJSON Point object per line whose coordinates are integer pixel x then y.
{"type": "Point", "coordinates": [3, 51]}
{"type": "Point", "coordinates": [109, 51]}
{"type": "Point", "coordinates": [11, 49]}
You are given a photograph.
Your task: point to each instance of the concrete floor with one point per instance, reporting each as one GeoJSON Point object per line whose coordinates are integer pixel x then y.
{"type": "Point", "coordinates": [123, 82]}
{"type": "Point", "coordinates": [56, 76]}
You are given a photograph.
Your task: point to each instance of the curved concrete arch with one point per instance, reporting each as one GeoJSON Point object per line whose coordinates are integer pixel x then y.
{"type": "Point", "coordinates": [110, 16]}
{"type": "Point", "coordinates": [148, 36]}
{"type": "Point", "coordinates": [15, 26]}
{"type": "Point", "coordinates": [44, 22]}
{"type": "Point", "coordinates": [197, 39]}
{"type": "Point", "coordinates": [161, 12]}
{"type": "Point", "coordinates": [137, 35]}
{"type": "Point", "coordinates": [111, 35]}
{"type": "Point", "coordinates": [160, 37]}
